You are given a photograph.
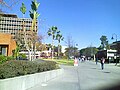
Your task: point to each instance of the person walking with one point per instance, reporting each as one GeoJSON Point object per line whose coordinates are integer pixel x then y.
{"type": "Point", "coordinates": [96, 60]}
{"type": "Point", "coordinates": [102, 62]}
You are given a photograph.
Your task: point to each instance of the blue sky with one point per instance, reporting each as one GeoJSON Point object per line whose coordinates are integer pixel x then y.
{"type": "Point", "coordinates": [85, 20]}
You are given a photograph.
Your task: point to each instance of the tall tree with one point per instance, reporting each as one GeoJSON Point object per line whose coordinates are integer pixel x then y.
{"type": "Point", "coordinates": [70, 47]}
{"type": "Point", "coordinates": [60, 38]}
{"type": "Point", "coordinates": [30, 40]}
{"type": "Point", "coordinates": [23, 9]}
{"type": "Point", "coordinates": [52, 32]}
{"type": "Point", "coordinates": [39, 45]}
{"type": "Point", "coordinates": [23, 32]}
{"type": "Point", "coordinates": [89, 51]}
{"type": "Point", "coordinates": [104, 42]}
{"type": "Point", "coordinates": [34, 16]}
{"type": "Point", "coordinates": [72, 52]}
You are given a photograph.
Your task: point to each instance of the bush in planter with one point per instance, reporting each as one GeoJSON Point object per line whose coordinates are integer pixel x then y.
{"type": "Point", "coordinates": [22, 56]}
{"type": "Point", "coordinates": [51, 65]}
{"type": "Point", "coordinates": [18, 68]}
{"type": "Point", "coordinates": [10, 58]}
{"type": "Point", "coordinates": [46, 66]}
{"type": "Point", "coordinates": [5, 58]}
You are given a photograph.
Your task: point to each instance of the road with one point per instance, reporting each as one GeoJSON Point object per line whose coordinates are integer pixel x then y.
{"type": "Point", "coordinates": [86, 76]}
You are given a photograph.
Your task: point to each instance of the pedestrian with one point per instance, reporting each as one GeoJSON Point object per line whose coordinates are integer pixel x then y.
{"type": "Point", "coordinates": [82, 59]}
{"type": "Point", "coordinates": [79, 58]}
{"type": "Point", "coordinates": [96, 60]}
{"type": "Point", "coordinates": [102, 62]}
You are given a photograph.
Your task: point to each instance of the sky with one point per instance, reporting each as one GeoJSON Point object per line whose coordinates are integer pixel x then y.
{"type": "Point", "coordinates": [83, 20]}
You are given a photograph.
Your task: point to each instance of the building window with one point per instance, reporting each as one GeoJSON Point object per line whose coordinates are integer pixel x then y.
{"type": "Point", "coordinates": [0, 50]}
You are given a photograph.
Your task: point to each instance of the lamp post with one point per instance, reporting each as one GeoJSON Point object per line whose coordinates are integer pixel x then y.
{"type": "Point", "coordinates": [116, 45]}
{"type": "Point", "coordinates": [113, 36]}
{"type": "Point", "coordinates": [74, 49]}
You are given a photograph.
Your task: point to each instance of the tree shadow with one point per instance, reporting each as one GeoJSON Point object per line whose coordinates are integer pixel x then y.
{"type": "Point", "coordinates": [106, 72]}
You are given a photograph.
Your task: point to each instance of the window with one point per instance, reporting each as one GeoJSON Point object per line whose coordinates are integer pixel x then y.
{"type": "Point", "coordinates": [0, 50]}
{"type": "Point", "coordinates": [3, 49]}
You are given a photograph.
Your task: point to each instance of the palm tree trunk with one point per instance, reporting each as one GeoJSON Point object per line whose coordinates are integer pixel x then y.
{"type": "Point", "coordinates": [34, 40]}
{"type": "Point", "coordinates": [52, 48]}
{"type": "Point", "coordinates": [58, 50]}
{"type": "Point", "coordinates": [34, 49]}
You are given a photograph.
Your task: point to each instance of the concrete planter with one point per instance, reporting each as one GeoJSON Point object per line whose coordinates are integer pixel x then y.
{"type": "Point", "coordinates": [28, 81]}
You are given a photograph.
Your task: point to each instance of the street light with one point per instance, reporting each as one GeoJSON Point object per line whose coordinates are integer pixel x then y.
{"type": "Point", "coordinates": [74, 49]}
{"type": "Point", "coordinates": [115, 36]}
{"type": "Point", "coordinates": [116, 45]}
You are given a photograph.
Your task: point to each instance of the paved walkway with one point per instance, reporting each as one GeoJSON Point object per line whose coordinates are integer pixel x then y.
{"type": "Point", "coordinates": [87, 76]}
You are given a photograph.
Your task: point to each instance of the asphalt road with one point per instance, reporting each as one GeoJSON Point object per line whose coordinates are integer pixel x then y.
{"type": "Point", "coordinates": [86, 76]}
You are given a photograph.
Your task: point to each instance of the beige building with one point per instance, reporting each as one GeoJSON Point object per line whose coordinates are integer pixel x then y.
{"type": "Point", "coordinates": [10, 23]}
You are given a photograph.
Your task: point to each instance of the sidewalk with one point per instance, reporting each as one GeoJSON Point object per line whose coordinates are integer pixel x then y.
{"type": "Point", "coordinates": [94, 78]}
{"type": "Point", "coordinates": [87, 76]}
{"type": "Point", "coordinates": [67, 81]}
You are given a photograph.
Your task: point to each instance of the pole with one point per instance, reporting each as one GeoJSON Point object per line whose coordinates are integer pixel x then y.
{"type": "Point", "coordinates": [116, 47]}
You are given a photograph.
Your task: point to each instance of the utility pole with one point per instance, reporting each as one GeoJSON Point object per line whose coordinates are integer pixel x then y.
{"type": "Point", "coordinates": [116, 46]}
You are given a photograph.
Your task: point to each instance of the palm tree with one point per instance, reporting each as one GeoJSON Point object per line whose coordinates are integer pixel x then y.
{"type": "Point", "coordinates": [52, 32]}
{"type": "Point", "coordinates": [34, 16]}
{"type": "Point", "coordinates": [59, 37]}
{"type": "Point", "coordinates": [23, 10]}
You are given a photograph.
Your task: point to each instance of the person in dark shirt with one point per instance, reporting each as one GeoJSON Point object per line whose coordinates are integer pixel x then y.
{"type": "Point", "coordinates": [102, 62]}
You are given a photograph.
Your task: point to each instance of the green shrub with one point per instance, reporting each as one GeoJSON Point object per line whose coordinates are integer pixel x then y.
{"type": "Point", "coordinates": [17, 68]}
{"type": "Point", "coordinates": [51, 65]}
{"type": "Point", "coordinates": [46, 66]}
{"type": "Point", "coordinates": [22, 55]}
{"type": "Point", "coordinates": [5, 58]}
{"type": "Point", "coordinates": [64, 57]}
{"type": "Point", "coordinates": [10, 58]}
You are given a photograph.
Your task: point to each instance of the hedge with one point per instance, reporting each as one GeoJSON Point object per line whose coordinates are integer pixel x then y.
{"type": "Point", "coordinates": [15, 68]}
{"type": "Point", "coordinates": [5, 58]}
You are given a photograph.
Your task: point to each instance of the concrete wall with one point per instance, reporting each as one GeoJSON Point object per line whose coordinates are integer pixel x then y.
{"type": "Point", "coordinates": [28, 81]}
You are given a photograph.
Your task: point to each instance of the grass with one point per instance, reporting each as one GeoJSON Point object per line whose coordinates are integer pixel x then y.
{"type": "Point", "coordinates": [63, 61]}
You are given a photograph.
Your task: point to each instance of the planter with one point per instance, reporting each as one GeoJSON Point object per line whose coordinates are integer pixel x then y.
{"type": "Point", "coordinates": [28, 81]}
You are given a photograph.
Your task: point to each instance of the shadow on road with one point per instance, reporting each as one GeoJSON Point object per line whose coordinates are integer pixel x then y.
{"type": "Point", "coordinates": [93, 68]}
{"type": "Point", "coordinates": [106, 72]}
{"type": "Point", "coordinates": [112, 87]}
